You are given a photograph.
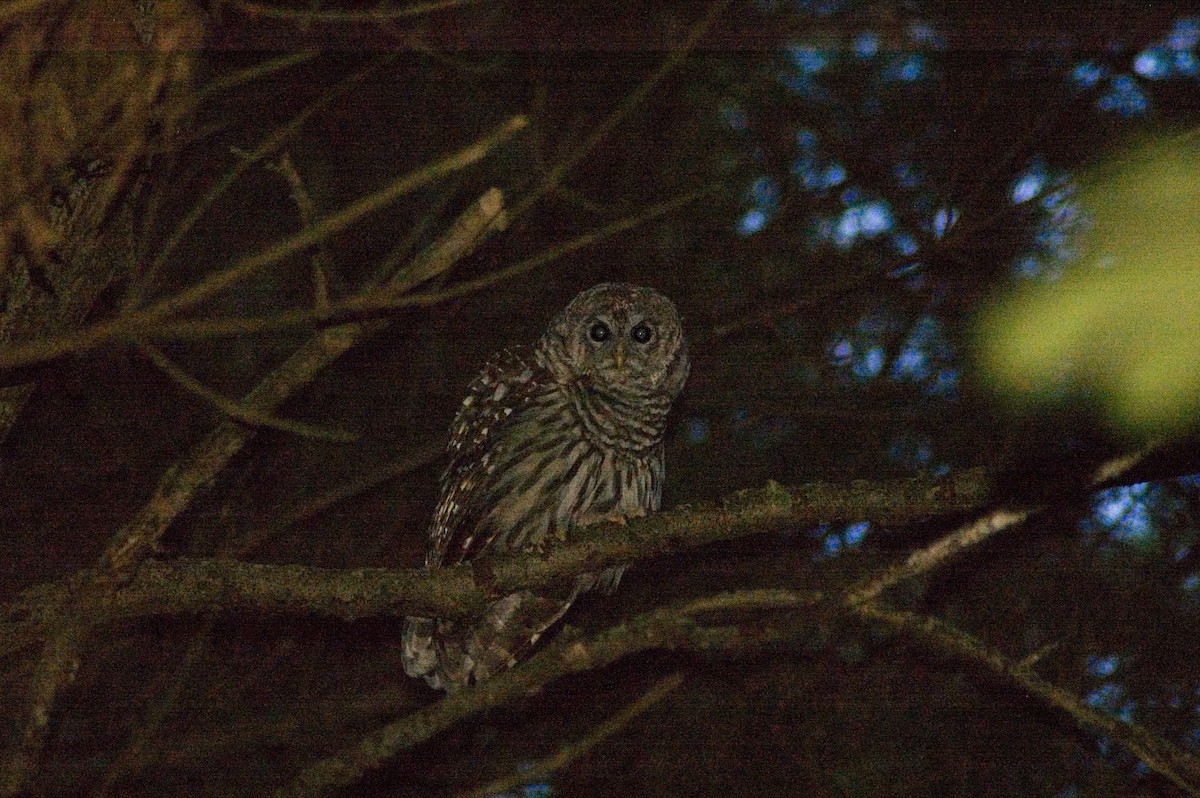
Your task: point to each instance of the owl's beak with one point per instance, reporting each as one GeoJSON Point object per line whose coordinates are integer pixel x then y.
{"type": "Point", "coordinates": [619, 355]}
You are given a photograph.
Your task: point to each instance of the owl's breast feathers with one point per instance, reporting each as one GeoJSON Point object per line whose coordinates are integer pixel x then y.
{"type": "Point", "coordinates": [527, 453]}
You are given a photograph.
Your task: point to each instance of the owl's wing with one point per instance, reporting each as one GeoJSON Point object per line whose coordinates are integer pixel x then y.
{"type": "Point", "coordinates": [510, 380]}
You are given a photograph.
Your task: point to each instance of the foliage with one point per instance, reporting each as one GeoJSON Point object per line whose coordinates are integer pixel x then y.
{"type": "Point", "coordinates": [1108, 322]}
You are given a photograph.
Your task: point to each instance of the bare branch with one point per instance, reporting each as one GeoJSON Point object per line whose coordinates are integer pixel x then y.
{"type": "Point", "coordinates": [375, 302]}
{"type": "Point", "coordinates": [381, 14]}
{"type": "Point", "coordinates": [236, 410]}
{"type": "Point", "coordinates": [676, 628]}
{"type": "Point", "coordinates": [192, 586]}
{"type": "Point", "coordinates": [130, 546]}
{"type": "Point", "coordinates": [146, 733]}
{"type": "Point", "coordinates": [179, 485]}
{"type": "Point", "coordinates": [143, 321]}
{"type": "Point", "coordinates": [418, 456]}
{"type": "Point", "coordinates": [671, 628]}
{"type": "Point", "coordinates": [569, 753]}
{"type": "Point", "coordinates": [59, 252]}
{"type": "Point", "coordinates": [1179, 767]}
{"type": "Point", "coordinates": [644, 89]}
{"type": "Point", "coordinates": [56, 669]}
{"type": "Point", "coordinates": [336, 222]}
{"type": "Point", "coordinates": [322, 260]}
{"type": "Point", "coordinates": [941, 550]}
{"type": "Point", "coordinates": [267, 67]}
{"type": "Point", "coordinates": [270, 144]}
{"type": "Point", "coordinates": [979, 530]}
{"type": "Point", "coordinates": [184, 586]}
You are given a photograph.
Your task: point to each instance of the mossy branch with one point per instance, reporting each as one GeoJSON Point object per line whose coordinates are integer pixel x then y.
{"type": "Point", "coordinates": [191, 586]}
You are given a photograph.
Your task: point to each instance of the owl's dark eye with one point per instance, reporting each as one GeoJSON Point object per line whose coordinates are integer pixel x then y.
{"type": "Point", "coordinates": [642, 333]}
{"type": "Point", "coordinates": [599, 332]}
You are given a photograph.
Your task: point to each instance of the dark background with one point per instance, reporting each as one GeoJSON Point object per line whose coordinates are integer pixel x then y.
{"type": "Point", "coordinates": [829, 304]}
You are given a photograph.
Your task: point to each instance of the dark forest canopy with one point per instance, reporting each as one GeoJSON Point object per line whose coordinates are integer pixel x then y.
{"type": "Point", "coordinates": [931, 504]}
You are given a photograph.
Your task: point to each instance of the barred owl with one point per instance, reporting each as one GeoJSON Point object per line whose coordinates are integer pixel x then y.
{"type": "Point", "coordinates": [563, 434]}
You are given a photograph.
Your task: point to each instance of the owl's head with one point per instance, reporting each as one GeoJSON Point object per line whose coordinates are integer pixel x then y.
{"type": "Point", "coordinates": [622, 337]}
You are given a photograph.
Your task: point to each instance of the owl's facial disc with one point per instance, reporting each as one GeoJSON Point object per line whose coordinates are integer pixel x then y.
{"type": "Point", "coordinates": [619, 346]}
{"type": "Point", "coordinates": [621, 337]}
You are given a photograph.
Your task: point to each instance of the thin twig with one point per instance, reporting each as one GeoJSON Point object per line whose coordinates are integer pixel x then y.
{"type": "Point", "coordinates": [146, 733]}
{"type": "Point", "coordinates": [267, 67]}
{"type": "Point", "coordinates": [270, 144]}
{"type": "Point", "coordinates": [369, 479]}
{"type": "Point", "coordinates": [365, 15]}
{"type": "Point", "coordinates": [539, 770]}
{"type": "Point", "coordinates": [673, 60]}
{"type": "Point", "coordinates": [938, 552]}
{"type": "Point", "coordinates": [977, 531]}
{"type": "Point", "coordinates": [370, 303]}
{"type": "Point", "coordinates": [143, 322]}
{"type": "Point", "coordinates": [134, 542]}
{"type": "Point", "coordinates": [322, 260]}
{"type": "Point", "coordinates": [334, 223]}
{"type": "Point", "coordinates": [467, 230]}
{"type": "Point", "coordinates": [1179, 767]}
{"type": "Point", "coordinates": [179, 485]}
{"type": "Point", "coordinates": [237, 410]}
{"type": "Point", "coordinates": [554, 253]}
{"type": "Point", "coordinates": [56, 667]}
{"type": "Point", "coordinates": [400, 251]}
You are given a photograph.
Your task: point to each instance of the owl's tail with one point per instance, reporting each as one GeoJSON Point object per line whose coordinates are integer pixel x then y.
{"type": "Point", "coordinates": [449, 655]}
{"type": "Point", "coordinates": [420, 653]}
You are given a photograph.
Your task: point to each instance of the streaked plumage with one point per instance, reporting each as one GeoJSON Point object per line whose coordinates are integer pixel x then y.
{"type": "Point", "coordinates": [549, 438]}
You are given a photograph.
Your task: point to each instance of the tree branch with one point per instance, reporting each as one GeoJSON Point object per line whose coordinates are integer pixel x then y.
{"type": "Point", "coordinates": [193, 586]}
{"type": "Point", "coordinates": [569, 753]}
{"type": "Point", "coordinates": [672, 628]}
{"type": "Point", "coordinates": [184, 586]}
{"type": "Point", "coordinates": [371, 303]}
{"type": "Point", "coordinates": [1179, 767]}
{"type": "Point", "coordinates": [64, 618]}
{"type": "Point", "coordinates": [145, 320]}
{"type": "Point", "coordinates": [675, 628]}
{"type": "Point", "coordinates": [981, 529]}
{"type": "Point", "coordinates": [235, 409]}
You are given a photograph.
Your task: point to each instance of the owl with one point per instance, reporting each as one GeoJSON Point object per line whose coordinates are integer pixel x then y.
{"type": "Point", "coordinates": [550, 438]}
